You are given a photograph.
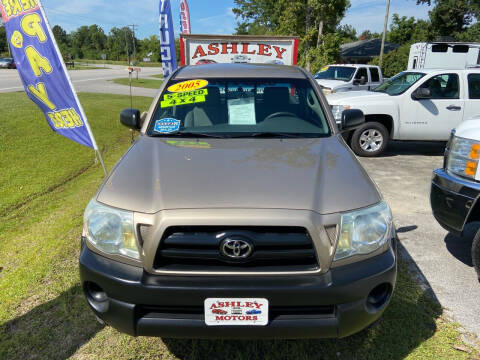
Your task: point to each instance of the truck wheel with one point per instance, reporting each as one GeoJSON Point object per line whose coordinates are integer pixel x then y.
{"type": "Point", "coordinates": [476, 253]}
{"type": "Point", "coordinates": [370, 139]}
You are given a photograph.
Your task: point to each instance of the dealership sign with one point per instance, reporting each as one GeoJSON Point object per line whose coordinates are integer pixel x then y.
{"type": "Point", "coordinates": [210, 49]}
{"type": "Point", "coordinates": [42, 69]}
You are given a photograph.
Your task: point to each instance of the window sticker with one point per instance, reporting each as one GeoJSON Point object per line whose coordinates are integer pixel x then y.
{"type": "Point", "coordinates": [185, 98]}
{"type": "Point", "coordinates": [241, 111]}
{"type": "Point", "coordinates": [167, 125]}
{"type": "Point", "coordinates": [188, 86]}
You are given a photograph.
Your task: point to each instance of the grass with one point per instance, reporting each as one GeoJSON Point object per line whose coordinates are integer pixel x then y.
{"type": "Point", "coordinates": [43, 313]}
{"type": "Point", "coordinates": [144, 83]}
{"type": "Point", "coordinates": [159, 76]}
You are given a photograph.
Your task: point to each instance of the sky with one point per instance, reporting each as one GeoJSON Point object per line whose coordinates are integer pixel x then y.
{"type": "Point", "coordinates": [207, 16]}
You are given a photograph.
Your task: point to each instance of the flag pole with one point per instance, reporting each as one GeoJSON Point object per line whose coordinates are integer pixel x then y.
{"type": "Point", "coordinates": [80, 107]}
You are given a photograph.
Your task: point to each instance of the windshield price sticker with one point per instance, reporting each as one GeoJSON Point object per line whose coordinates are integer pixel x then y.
{"type": "Point", "coordinates": [188, 86]}
{"type": "Point", "coordinates": [185, 98]}
{"type": "Point", "coordinates": [235, 311]}
{"type": "Point", "coordinates": [167, 125]}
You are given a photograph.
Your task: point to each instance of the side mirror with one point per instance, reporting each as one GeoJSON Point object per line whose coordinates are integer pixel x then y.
{"type": "Point", "coordinates": [131, 119]}
{"type": "Point", "coordinates": [421, 93]}
{"type": "Point", "coordinates": [352, 119]}
{"type": "Point", "coordinates": [361, 81]}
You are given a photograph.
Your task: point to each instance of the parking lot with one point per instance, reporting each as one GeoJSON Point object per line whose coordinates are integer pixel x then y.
{"type": "Point", "coordinates": [441, 262]}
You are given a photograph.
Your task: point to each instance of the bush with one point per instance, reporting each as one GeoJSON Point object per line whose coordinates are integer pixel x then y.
{"type": "Point", "coordinates": [394, 62]}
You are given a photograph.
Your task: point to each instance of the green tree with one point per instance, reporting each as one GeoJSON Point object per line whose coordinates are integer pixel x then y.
{"type": "Point", "coordinates": [346, 33]}
{"type": "Point", "coordinates": [395, 61]}
{"type": "Point", "coordinates": [368, 35]}
{"type": "Point", "coordinates": [97, 38]}
{"type": "Point", "coordinates": [471, 34]}
{"type": "Point", "coordinates": [311, 20]}
{"type": "Point", "coordinates": [120, 43]}
{"type": "Point", "coordinates": [451, 16]}
{"type": "Point", "coordinates": [3, 41]}
{"type": "Point", "coordinates": [150, 45]}
{"type": "Point", "coordinates": [62, 40]}
{"type": "Point", "coordinates": [408, 30]}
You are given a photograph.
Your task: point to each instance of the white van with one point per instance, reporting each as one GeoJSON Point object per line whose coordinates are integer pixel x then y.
{"type": "Point", "coordinates": [444, 55]}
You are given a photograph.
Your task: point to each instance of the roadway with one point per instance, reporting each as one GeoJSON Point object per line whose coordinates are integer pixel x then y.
{"type": "Point", "coordinates": [95, 80]}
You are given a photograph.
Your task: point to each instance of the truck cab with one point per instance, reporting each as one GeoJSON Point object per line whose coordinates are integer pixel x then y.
{"type": "Point", "coordinates": [413, 105]}
{"type": "Point", "coordinates": [348, 77]}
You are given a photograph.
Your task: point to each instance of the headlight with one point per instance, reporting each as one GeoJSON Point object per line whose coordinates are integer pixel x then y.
{"type": "Point", "coordinates": [327, 91]}
{"type": "Point", "coordinates": [338, 111]}
{"type": "Point", "coordinates": [364, 231]}
{"type": "Point", "coordinates": [463, 157]}
{"type": "Point", "coordinates": [110, 230]}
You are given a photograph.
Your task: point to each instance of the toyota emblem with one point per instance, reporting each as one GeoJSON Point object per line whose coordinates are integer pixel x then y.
{"type": "Point", "coordinates": [236, 249]}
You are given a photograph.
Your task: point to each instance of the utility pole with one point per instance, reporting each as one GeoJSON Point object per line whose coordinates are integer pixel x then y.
{"type": "Point", "coordinates": [133, 26]}
{"type": "Point", "coordinates": [387, 10]}
{"type": "Point", "coordinates": [127, 48]}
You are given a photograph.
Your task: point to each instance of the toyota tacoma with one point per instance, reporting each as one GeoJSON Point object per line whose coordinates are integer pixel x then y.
{"type": "Point", "coordinates": [239, 212]}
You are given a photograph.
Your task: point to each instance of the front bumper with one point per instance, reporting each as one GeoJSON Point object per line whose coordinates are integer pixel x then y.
{"type": "Point", "coordinates": [452, 200]}
{"type": "Point", "coordinates": [304, 306]}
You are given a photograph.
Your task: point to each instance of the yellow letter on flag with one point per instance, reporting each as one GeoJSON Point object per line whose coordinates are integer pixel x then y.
{"type": "Point", "coordinates": [31, 26]}
{"type": "Point", "coordinates": [40, 92]}
{"type": "Point", "coordinates": [37, 62]}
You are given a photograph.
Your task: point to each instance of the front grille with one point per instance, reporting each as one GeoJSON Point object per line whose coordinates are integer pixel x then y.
{"type": "Point", "coordinates": [275, 249]}
{"type": "Point", "coordinates": [274, 312]}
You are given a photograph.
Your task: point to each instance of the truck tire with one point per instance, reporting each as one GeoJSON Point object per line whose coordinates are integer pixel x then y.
{"type": "Point", "coordinates": [476, 253]}
{"type": "Point", "coordinates": [370, 139]}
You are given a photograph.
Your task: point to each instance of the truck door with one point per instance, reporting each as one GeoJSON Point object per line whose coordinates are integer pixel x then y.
{"type": "Point", "coordinates": [472, 102]}
{"type": "Point", "coordinates": [361, 73]}
{"type": "Point", "coordinates": [374, 78]}
{"type": "Point", "coordinates": [433, 118]}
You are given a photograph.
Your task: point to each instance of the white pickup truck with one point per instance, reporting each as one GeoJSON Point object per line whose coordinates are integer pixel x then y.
{"type": "Point", "coordinates": [413, 105]}
{"type": "Point", "coordinates": [348, 77]}
{"type": "Point", "coordinates": [455, 191]}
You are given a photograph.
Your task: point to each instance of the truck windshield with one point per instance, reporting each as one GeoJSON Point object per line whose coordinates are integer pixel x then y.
{"type": "Point", "coordinates": [239, 108]}
{"type": "Point", "coordinates": [343, 73]}
{"type": "Point", "coordinates": [399, 83]}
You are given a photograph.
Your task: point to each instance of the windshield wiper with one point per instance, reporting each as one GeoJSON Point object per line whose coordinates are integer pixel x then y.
{"type": "Point", "coordinates": [188, 134]}
{"type": "Point", "coordinates": [273, 134]}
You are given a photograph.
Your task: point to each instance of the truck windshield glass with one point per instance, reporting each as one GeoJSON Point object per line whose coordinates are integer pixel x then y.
{"type": "Point", "coordinates": [399, 83]}
{"type": "Point", "coordinates": [342, 73]}
{"type": "Point", "coordinates": [239, 108]}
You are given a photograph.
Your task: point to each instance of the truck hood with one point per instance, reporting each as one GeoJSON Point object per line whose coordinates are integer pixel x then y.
{"type": "Point", "coordinates": [346, 98]}
{"type": "Point", "coordinates": [157, 174]}
{"type": "Point", "coordinates": [469, 129]}
{"type": "Point", "coordinates": [332, 84]}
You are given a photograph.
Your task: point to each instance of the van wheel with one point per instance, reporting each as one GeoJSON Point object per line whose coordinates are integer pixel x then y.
{"type": "Point", "coordinates": [476, 253]}
{"type": "Point", "coordinates": [370, 139]}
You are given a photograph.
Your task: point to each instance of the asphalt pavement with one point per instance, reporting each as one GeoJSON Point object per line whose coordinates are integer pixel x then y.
{"type": "Point", "coordinates": [442, 261]}
{"type": "Point", "coordinates": [95, 80]}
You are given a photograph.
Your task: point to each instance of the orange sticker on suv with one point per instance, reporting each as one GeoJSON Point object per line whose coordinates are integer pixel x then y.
{"type": "Point", "coordinates": [188, 85]}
